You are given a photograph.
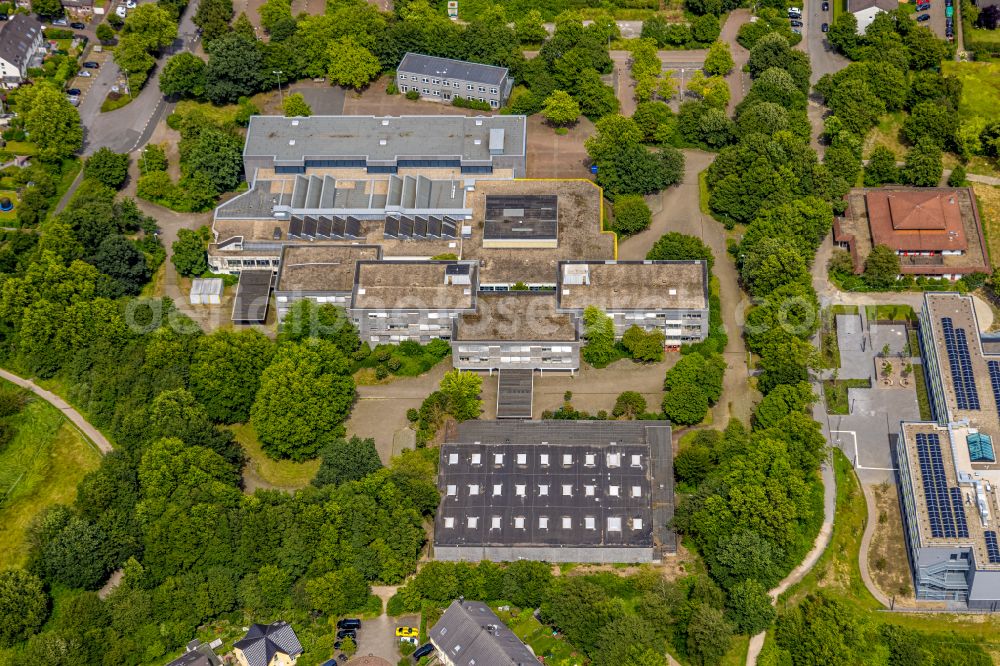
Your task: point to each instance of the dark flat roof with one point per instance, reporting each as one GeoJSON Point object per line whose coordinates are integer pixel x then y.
{"type": "Point", "coordinates": [252, 297]}
{"type": "Point", "coordinates": [513, 217]}
{"type": "Point", "coordinates": [514, 394]}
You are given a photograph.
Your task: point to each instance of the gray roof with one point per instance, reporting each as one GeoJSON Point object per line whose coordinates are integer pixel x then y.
{"type": "Point", "coordinates": [515, 217]}
{"type": "Point", "coordinates": [382, 139]}
{"type": "Point", "coordinates": [17, 36]}
{"type": "Point", "coordinates": [263, 641]}
{"type": "Point", "coordinates": [554, 483]}
{"type": "Point", "coordinates": [469, 632]}
{"type": "Point", "coordinates": [860, 5]}
{"type": "Point", "coordinates": [252, 296]}
{"type": "Point", "coordinates": [446, 68]}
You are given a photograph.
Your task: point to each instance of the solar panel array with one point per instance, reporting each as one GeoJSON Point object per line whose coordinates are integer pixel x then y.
{"type": "Point", "coordinates": [311, 227]}
{"type": "Point", "coordinates": [994, 367]}
{"type": "Point", "coordinates": [962, 377]}
{"type": "Point", "coordinates": [944, 505]}
{"type": "Point", "coordinates": [992, 549]}
{"type": "Point", "coordinates": [420, 227]}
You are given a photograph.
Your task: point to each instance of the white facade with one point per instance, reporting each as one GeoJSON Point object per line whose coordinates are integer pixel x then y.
{"type": "Point", "coordinates": [865, 17]}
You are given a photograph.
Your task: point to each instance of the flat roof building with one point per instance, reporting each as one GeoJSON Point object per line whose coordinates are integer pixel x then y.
{"type": "Point", "coordinates": [948, 475]}
{"type": "Point", "coordinates": [469, 632]}
{"type": "Point", "coordinates": [936, 231]}
{"type": "Point", "coordinates": [444, 79]}
{"type": "Point", "coordinates": [557, 491]}
{"type": "Point", "coordinates": [323, 272]}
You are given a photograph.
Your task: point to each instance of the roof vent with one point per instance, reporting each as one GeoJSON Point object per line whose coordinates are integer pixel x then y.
{"type": "Point", "coordinates": [291, 142]}
{"type": "Point", "coordinates": [295, 123]}
{"type": "Point", "coordinates": [382, 142]}
{"type": "Point", "coordinates": [479, 123]}
{"type": "Point", "coordinates": [385, 123]}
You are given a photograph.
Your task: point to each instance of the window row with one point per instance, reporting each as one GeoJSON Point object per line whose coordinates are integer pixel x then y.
{"type": "Point", "coordinates": [521, 490]}
{"type": "Point", "coordinates": [612, 459]}
{"type": "Point", "coordinates": [614, 523]}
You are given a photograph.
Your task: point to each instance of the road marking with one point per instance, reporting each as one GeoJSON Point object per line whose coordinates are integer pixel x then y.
{"type": "Point", "coordinates": [854, 436]}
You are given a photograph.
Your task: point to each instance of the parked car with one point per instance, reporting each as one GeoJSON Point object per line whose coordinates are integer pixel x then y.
{"type": "Point", "coordinates": [349, 623]}
{"type": "Point", "coordinates": [825, 27]}
{"type": "Point", "coordinates": [347, 633]}
{"type": "Point", "coordinates": [130, 4]}
{"type": "Point", "coordinates": [423, 651]}
{"type": "Point", "coordinates": [76, 25]}
{"type": "Point", "coordinates": [924, 17]}
{"type": "Point", "coordinates": [75, 101]}
{"type": "Point", "coordinates": [74, 92]}
{"type": "Point", "coordinates": [796, 31]}
{"type": "Point", "coordinates": [121, 11]}
{"type": "Point", "coordinates": [795, 24]}
{"type": "Point", "coordinates": [794, 12]}
{"type": "Point", "coordinates": [91, 64]}
{"type": "Point", "coordinates": [826, 6]}
{"type": "Point", "coordinates": [3, 17]}
{"type": "Point", "coordinates": [60, 22]}
{"type": "Point", "coordinates": [923, 6]}
{"type": "Point", "coordinates": [407, 632]}
{"type": "Point", "coordinates": [84, 73]}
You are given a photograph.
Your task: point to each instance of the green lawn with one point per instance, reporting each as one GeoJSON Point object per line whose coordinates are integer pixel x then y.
{"type": "Point", "coordinates": [280, 473]}
{"type": "Point", "coordinates": [703, 193]}
{"type": "Point", "coordinates": [20, 147]}
{"type": "Point", "coordinates": [41, 466]}
{"type": "Point", "coordinates": [836, 393]}
{"type": "Point", "coordinates": [7, 218]}
{"type": "Point", "coordinates": [542, 639]}
{"type": "Point", "coordinates": [980, 87]}
{"type": "Point", "coordinates": [923, 399]}
{"type": "Point", "coordinates": [890, 312]}
{"type": "Point", "coordinates": [829, 345]}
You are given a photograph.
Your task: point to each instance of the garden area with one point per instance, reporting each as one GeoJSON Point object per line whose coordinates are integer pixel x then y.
{"type": "Point", "coordinates": [407, 359]}
{"type": "Point", "coordinates": [262, 470]}
{"type": "Point", "coordinates": [836, 392]}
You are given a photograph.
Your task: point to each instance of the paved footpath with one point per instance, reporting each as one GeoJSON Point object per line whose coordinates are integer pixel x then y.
{"type": "Point", "coordinates": [92, 433]}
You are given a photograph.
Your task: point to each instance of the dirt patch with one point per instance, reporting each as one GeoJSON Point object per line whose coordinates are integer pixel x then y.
{"type": "Point", "coordinates": [551, 155]}
{"type": "Point", "coordinates": [672, 567]}
{"type": "Point", "coordinates": [887, 558]}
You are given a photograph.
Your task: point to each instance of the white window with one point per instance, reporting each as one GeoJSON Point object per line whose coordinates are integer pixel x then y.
{"type": "Point", "coordinates": [613, 491]}
{"type": "Point", "coordinates": [614, 524]}
{"type": "Point", "coordinates": [423, 79]}
{"type": "Point", "coordinates": [590, 460]}
{"type": "Point", "coordinates": [543, 522]}
{"type": "Point", "coordinates": [494, 91]}
{"type": "Point", "coordinates": [471, 87]}
{"type": "Point", "coordinates": [497, 490]}
{"type": "Point", "coordinates": [473, 488]}
{"type": "Point", "coordinates": [567, 459]}
{"type": "Point", "coordinates": [522, 458]}
{"type": "Point", "coordinates": [477, 458]}
{"type": "Point", "coordinates": [494, 103]}
{"type": "Point", "coordinates": [449, 522]}
{"type": "Point", "coordinates": [436, 81]}
{"type": "Point", "coordinates": [636, 491]}
{"type": "Point", "coordinates": [402, 77]}
{"type": "Point", "coordinates": [413, 78]}
{"type": "Point", "coordinates": [427, 91]}
{"type": "Point", "coordinates": [614, 460]}
{"type": "Point", "coordinates": [637, 523]}
{"type": "Point", "coordinates": [452, 458]}
{"type": "Point", "coordinates": [519, 522]}
{"type": "Point", "coordinates": [446, 83]}
{"type": "Point", "coordinates": [472, 521]}
{"type": "Point", "coordinates": [495, 523]}
{"type": "Point", "coordinates": [567, 490]}
{"type": "Point", "coordinates": [403, 88]}
{"type": "Point", "coordinates": [636, 460]}
{"type": "Point", "coordinates": [498, 459]}
{"type": "Point", "coordinates": [544, 460]}
{"type": "Point", "coordinates": [588, 491]}
{"type": "Point", "coordinates": [543, 490]}
{"type": "Point", "coordinates": [590, 522]}
{"type": "Point", "coordinates": [437, 93]}
{"type": "Point", "coordinates": [519, 489]}
{"type": "Point", "coordinates": [482, 88]}
{"type": "Point", "coordinates": [452, 490]}
{"type": "Point", "coordinates": [567, 523]}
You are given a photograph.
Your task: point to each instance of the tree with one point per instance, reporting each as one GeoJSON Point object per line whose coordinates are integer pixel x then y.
{"type": "Point", "coordinates": [119, 258]}
{"type": "Point", "coordinates": [51, 121]}
{"type": "Point", "coordinates": [226, 370]}
{"type": "Point", "coordinates": [529, 28]}
{"type": "Point", "coordinates": [153, 25]}
{"type": "Point", "coordinates": [213, 17]}
{"type": "Point", "coordinates": [107, 167]}
{"type": "Point", "coordinates": [705, 28]}
{"type": "Point", "coordinates": [188, 252]}
{"type": "Point", "coordinates": [351, 65]}
{"type": "Point", "coordinates": [923, 164]}
{"type": "Point", "coordinates": [304, 397]}
{"type": "Point", "coordinates": [843, 34]}
{"type": "Point", "coordinates": [214, 154]}
{"type": "Point", "coordinates": [462, 392]}
{"type": "Point", "coordinates": [337, 592]}
{"type": "Point", "coordinates": [347, 460]}
{"type": "Point", "coordinates": [632, 215]}
{"type": "Point", "coordinates": [646, 346]}
{"type": "Point", "coordinates": [308, 319]}
{"type": "Point", "coordinates": [772, 264]}
{"type": "Point", "coordinates": [47, 8]}
{"type": "Point", "coordinates": [581, 609]}
{"type": "Point", "coordinates": [881, 267]}
{"type": "Point", "coordinates": [599, 332]}
{"type": "Point", "coordinates": [614, 133]}
{"type": "Point", "coordinates": [881, 168]}
{"type": "Point", "coordinates": [675, 246]}
{"type": "Point", "coordinates": [105, 33]}
{"type": "Point", "coordinates": [132, 55]}
{"type": "Point", "coordinates": [655, 120]}
{"type": "Point", "coordinates": [629, 405]}
{"type": "Point", "coordinates": [708, 635]}
{"type": "Point", "coordinates": [693, 464]}
{"type": "Point", "coordinates": [719, 60]}
{"type": "Point", "coordinates": [957, 177]}
{"type": "Point", "coordinates": [749, 608]}
{"type": "Point", "coordinates": [762, 118]}
{"type": "Point", "coordinates": [67, 549]}
{"type": "Point", "coordinates": [24, 606]}
{"type": "Point", "coordinates": [235, 68]}
{"type": "Point", "coordinates": [596, 99]}
{"type": "Point", "coordinates": [295, 105]}
{"type": "Point", "coordinates": [636, 170]}
{"type": "Point", "coordinates": [183, 75]}
{"type": "Point", "coordinates": [685, 404]}
{"type": "Point", "coordinates": [560, 109]}
{"type": "Point", "coordinates": [932, 120]}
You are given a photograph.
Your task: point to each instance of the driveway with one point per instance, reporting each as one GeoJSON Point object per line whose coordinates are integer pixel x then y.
{"type": "Point", "coordinates": [377, 637]}
{"type": "Point", "coordinates": [739, 80]}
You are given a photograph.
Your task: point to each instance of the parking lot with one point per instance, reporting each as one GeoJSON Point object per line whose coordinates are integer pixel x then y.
{"type": "Point", "coordinates": [82, 81]}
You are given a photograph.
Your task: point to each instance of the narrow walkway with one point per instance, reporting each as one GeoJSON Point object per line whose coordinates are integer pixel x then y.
{"type": "Point", "coordinates": [92, 433]}
{"type": "Point", "coordinates": [866, 543]}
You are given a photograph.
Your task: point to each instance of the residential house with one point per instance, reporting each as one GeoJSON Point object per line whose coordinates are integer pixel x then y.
{"type": "Point", "coordinates": [443, 79]}
{"type": "Point", "coordinates": [865, 11]}
{"type": "Point", "coordinates": [21, 45]}
{"type": "Point", "coordinates": [469, 632]}
{"type": "Point", "coordinates": [272, 644]}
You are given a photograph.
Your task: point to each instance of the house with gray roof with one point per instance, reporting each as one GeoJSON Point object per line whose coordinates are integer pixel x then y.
{"type": "Point", "coordinates": [865, 11]}
{"type": "Point", "coordinates": [469, 632]}
{"type": "Point", "coordinates": [21, 41]}
{"type": "Point", "coordinates": [199, 654]}
{"type": "Point", "coordinates": [272, 644]}
{"type": "Point", "coordinates": [444, 79]}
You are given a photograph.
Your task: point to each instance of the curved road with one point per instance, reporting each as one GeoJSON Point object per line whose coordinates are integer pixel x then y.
{"type": "Point", "coordinates": [92, 433]}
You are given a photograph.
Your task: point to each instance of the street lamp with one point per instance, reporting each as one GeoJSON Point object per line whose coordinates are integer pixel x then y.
{"type": "Point", "coordinates": [277, 73]}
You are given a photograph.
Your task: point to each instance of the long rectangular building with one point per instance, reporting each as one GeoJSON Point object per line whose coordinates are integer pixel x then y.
{"type": "Point", "coordinates": [948, 472]}
{"type": "Point", "coordinates": [557, 491]}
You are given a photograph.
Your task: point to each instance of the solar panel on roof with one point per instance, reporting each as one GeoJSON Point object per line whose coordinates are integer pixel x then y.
{"type": "Point", "coordinates": [960, 363]}
{"type": "Point", "coordinates": [352, 229]}
{"type": "Point", "coordinates": [295, 227]}
{"type": "Point", "coordinates": [405, 227]}
{"type": "Point", "coordinates": [337, 224]}
{"type": "Point", "coordinates": [992, 548]}
{"type": "Point", "coordinates": [309, 227]}
{"type": "Point", "coordinates": [449, 227]}
{"type": "Point", "coordinates": [419, 226]}
{"type": "Point", "coordinates": [391, 229]}
{"type": "Point", "coordinates": [961, 525]}
{"type": "Point", "coordinates": [323, 227]}
{"type": "Point", "coordinates": [434, 227]}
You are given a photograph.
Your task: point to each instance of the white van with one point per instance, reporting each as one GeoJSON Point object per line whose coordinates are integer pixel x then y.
{"type": "Point", "coordinates": [121, 11]}
{"type": "Point", "coordinates": [794, 12]}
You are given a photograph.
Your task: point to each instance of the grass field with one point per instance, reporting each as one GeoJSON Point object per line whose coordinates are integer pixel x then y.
{"type": "Point", "coordinates": [980, 87]}
{"type": "Point", "coordinates": [542, 639]}
{"type": "Point", "coordinates": [8, 217]}
{"type": "Point", "coordinates": [41, 466]}
{"type": "Point", "coordinates": [923, 400]}
{"type": "Point", "coordinates": [836, 393]}
{"type": "Point", "coordinates": [988, 199]}
{"type": "Point", "coordinates": [283, 474]}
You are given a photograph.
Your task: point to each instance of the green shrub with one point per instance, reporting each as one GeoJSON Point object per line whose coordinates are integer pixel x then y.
{"type": "Point", "coordinates": [464, 103]}
{"type": "Point", "coordinates": [412, 95]}
{"type": "Point", "coordinates": [383, 353]}
{"type": "Point", "coordinates": [362, 352]}
{"type": "Point", "coordinates": [412, 415]}
{"type": "Point", "coordinates": [381, 372]}
{"type": "Point", "coordinates": [394, 364]}
{"type": "Point", "coordinates": [175, 120]}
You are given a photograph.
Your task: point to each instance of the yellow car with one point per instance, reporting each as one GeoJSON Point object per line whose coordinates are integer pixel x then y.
{"type": "Point", "coordinates": [407, 632]}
